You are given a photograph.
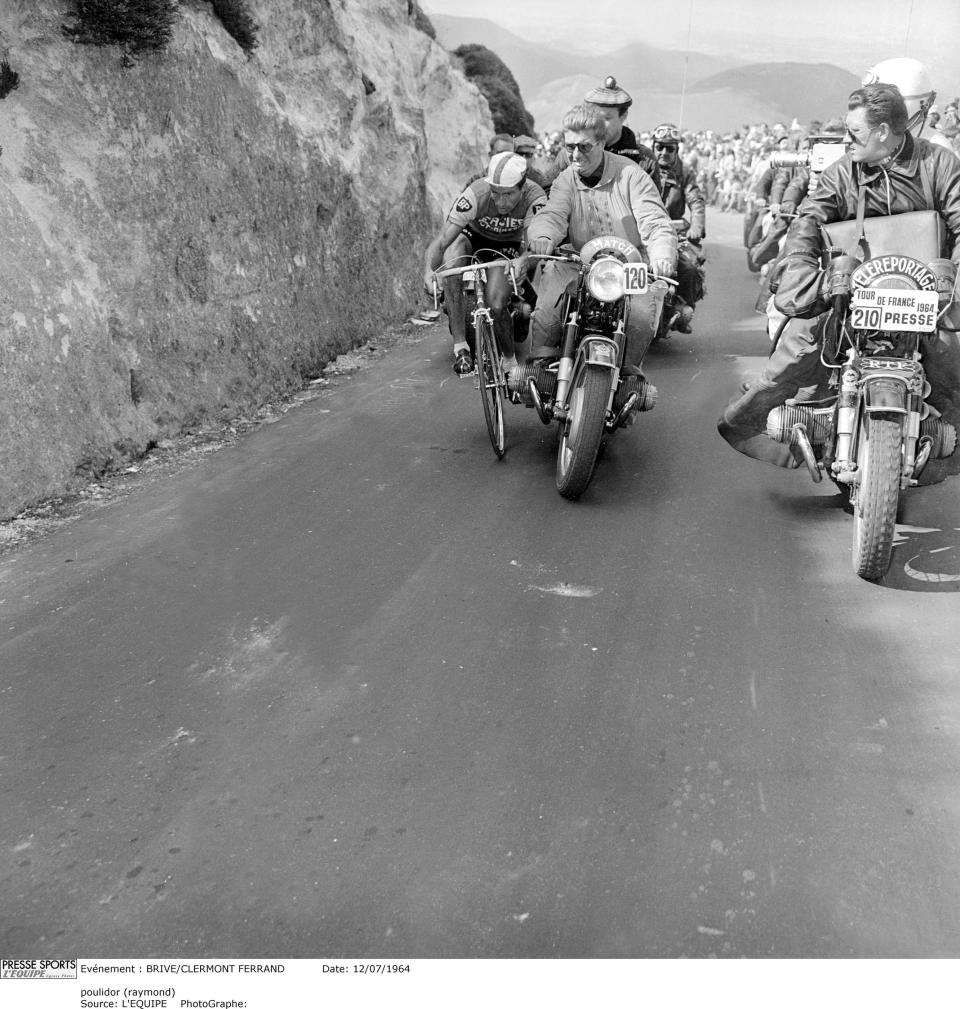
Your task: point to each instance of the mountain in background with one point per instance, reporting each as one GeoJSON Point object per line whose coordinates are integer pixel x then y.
{"type": "Point", "coordinates": [534, 65]}
{"type": "Point", "coordinates": [804, 90]}
{"type": "Point", "coordinates": [696, 90]}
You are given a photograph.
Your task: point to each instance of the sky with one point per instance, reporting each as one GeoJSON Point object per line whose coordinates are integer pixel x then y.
{"type": "Point", "coordinates": [853, 34]}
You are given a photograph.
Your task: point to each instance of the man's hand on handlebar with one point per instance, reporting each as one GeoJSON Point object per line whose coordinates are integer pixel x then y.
{"type": "Point", "coordinates": [663, 267]}
{"type": "Point", "coordinates": [540, 247]}
{"type": "Point", "coordinates": [431, 283]}
{"type": "Point", "coordinates": [695, 235]}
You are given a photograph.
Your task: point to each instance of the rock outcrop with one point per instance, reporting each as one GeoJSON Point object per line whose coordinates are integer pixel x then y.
{"type": "Point", "coordinates": [195, 233]}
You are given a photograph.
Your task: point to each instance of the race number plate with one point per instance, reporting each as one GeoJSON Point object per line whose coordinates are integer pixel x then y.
{"type": "Point", "coordinates": [890, 309]}
{"type": "Point", "coordinates": [634, 278]}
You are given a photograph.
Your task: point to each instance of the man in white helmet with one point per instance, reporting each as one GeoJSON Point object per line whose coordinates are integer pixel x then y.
{"type": "Point", "coordinates": [911, 79]}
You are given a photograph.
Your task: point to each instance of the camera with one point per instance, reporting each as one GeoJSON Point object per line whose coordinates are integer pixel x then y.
{"type": "Point", "coordinates": [821, 152]}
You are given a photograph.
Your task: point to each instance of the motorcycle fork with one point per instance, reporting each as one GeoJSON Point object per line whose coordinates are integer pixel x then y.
{"type": "Point", "coordinates": [565, 368]}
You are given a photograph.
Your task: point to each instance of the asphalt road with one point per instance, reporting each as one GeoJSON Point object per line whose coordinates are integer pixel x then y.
{"type": "Point", "coordinates": [355, 688]}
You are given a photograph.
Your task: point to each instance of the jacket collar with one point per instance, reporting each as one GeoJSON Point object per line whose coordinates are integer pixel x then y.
{"type": "Point", "coordinates": [607, 173]}
{"type": "Point", "coordinates": [905, 162]}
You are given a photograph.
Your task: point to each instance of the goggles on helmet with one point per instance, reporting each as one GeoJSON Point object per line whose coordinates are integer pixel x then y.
{"type": "Point", "coordinates": [667, 131]}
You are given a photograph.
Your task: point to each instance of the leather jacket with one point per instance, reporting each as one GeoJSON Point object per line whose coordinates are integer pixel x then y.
{"type": "Point", "coordinates": [679, 189]}
{"type": "Point", "coordinates": [897, 187]}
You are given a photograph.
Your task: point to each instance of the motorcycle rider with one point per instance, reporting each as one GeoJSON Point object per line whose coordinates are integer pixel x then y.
{"type": "Point", "coordinates": [679, 190]}
{"type": "Point", "coordinates": [488, 219]}
{"type": "Point", "coordinates": [897, 174]}
{"type": "Point", "coordinates": [600, 193]}
{"type": "Point", "coordinates": [611, 103]}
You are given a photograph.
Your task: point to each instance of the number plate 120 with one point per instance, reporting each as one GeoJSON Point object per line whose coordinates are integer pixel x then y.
{"type": "Point", "coordinates": [634, 278]}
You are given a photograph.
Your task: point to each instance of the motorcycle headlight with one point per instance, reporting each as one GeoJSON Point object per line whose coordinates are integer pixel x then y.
{"type": "Point", "coordinates": [605, 280]}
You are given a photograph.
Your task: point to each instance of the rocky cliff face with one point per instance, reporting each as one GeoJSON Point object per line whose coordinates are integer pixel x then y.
{"type": "Point", "coordinates": [197, 232]}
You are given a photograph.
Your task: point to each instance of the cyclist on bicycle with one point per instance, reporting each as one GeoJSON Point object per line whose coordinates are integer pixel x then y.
{"type": "Point", "coordinates": [679, 189]}
{"type": "Point", "coordinates": [488, 220]}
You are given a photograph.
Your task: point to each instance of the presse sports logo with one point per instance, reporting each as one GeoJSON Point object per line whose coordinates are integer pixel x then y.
{"type": "Point", "coordinates": [38, 968]}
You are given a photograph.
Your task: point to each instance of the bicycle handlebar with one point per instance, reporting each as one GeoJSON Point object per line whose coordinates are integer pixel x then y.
{"type": "Point", "coordinates": [456, 271]}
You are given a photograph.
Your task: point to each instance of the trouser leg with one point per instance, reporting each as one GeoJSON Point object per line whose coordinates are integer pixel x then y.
{"type": "Point", "coordinates": [643, 317]}
{"type": "Point", "coordinates": [546, 322]}
{"type": "Point", "coordinates": [795, 364]}
{"type": "Point", "coordinates": [941, 363]}
{"type": "Point", "coordinates": [689, 284]}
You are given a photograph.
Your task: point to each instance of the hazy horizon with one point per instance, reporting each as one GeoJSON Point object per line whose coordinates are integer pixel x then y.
{"type": "Point", "coordinates": [750, 30]}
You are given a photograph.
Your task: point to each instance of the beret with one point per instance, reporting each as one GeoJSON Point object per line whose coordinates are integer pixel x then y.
{"type": "Point", "coordinates": [610, 93]}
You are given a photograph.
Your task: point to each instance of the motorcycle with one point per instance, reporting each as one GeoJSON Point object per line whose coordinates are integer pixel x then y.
{"type": "Point", "coordinates": [585, 392]}
{"type": "Point", "coordinates": [876, 432]}
{"type": "Point", "coordinates": [689, 250]}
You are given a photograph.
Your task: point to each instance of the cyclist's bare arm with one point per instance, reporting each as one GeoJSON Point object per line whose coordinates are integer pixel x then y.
{"type": "Point", "coordinates": [436, 249]}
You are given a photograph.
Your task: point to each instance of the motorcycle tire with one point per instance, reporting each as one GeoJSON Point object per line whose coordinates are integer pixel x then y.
{"type": "Point", "coordinates": [582, 431]}
{"type": "Point", "coordinates": [491, 383]}
{"type": "Point", "coordinates": [877, 496]}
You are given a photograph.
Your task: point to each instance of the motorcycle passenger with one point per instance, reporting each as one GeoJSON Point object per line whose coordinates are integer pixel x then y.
{"type": "Point", "coordinates": [897, 174]}
{"type": "Point", "coordinates": [600, 193]}
{"type": "Point", "coordinates": [488, 219]}
{"type": "Point", "coordinates": [611, 103]}
{"type": "Point", "coordinates": [679, 190]}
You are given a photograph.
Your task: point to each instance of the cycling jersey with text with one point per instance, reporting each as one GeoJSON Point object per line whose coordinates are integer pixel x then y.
{"type": "Point", "coordinates": [475, 211]}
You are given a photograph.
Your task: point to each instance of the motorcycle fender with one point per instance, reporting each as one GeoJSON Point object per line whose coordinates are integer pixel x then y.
{"type": "Point", "coordinates": [600, 351]}
{"type": "Point", "coordinates": [886, 395]}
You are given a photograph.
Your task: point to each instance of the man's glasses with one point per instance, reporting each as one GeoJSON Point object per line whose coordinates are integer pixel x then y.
{"type": "Point", "coordinates": [526, 154]}
{"type": "Point", "coordinates": [854, 139]}
{"type": "Point", "coordinates": [583, 148]}
{"type": "Point", "coordinates": [665, 147]}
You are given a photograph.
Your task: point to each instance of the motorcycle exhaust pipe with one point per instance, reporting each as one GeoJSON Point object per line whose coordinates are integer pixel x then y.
{"type": "Point", "coordinates": [545, 413]}
{"type": "Point", "coordinates": [802, 442]}
{"type": "Point", "coordinates": [923, 456]}
{"type": "Point", "coordinates": [625, 411]}
{"type": "Point", "coordinates": [942, 437]}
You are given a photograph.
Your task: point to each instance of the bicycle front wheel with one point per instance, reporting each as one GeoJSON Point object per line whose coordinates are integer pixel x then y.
{"type": "Point", "coordinates": [491, 383]}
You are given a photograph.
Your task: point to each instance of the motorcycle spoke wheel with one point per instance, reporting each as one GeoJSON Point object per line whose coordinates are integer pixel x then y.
{"type": "Point", "coordinates": [582, 432]}
{"type": "Point", "coordinates": [877, 496]}
{"type": "Point", "coordinates": [492, 384]}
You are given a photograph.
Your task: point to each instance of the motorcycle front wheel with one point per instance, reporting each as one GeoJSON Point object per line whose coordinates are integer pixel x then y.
{"type": "Point", "coordinates": [582, 431]}
{"type": "Point", "coordinates": [877, 496]}
{"type": "Point", "coordinates": [491, 382]}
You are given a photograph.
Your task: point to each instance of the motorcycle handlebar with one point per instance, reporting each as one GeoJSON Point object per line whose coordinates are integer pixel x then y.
{"type": "Point", "coordinates": [572, 257]}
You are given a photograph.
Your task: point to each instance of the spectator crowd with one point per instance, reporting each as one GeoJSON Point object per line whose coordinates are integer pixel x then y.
{"type": "Point", "coordinates": [730, 167]}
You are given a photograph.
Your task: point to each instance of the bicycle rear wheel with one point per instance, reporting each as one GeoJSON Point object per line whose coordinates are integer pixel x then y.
{"type": "Point", "coordinates": [492, 384]}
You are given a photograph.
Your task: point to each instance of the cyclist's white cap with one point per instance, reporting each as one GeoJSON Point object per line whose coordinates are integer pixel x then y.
{"type": "Point", "coordinates": [506, 169]}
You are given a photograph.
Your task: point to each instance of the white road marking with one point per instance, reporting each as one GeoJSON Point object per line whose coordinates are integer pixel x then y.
{"type": "Point", "coordinates": [566, 589]}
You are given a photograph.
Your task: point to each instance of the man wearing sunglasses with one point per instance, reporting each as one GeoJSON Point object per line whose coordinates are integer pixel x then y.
{"type": "Point", "coordinates": [599, 194]}
{"type": "Point", "coordinates": [610, 103]}
{"type": "Point", "coordinates": [679, 189]}
{"type": "Point", "coordinates": [897, 174]}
